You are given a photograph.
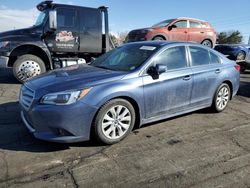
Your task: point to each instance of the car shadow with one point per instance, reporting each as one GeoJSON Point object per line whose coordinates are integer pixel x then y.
{"type": "Point", "coordinates": [15, 136]}
{"type": "Point", "coordinates": [6, 76]}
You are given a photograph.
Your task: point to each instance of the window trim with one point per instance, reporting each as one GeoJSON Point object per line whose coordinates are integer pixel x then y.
{"type": "Point", "coordinates": [181, 27]}
{"type": "Point", "coordinates": [151, 61]}
{"type": "Point", "coordinates": [209, 51]}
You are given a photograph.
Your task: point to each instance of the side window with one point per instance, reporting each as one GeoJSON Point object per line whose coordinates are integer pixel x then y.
{"type": "Point", "coordinates": [195, 24]}
{"type": "Point", "coordinates": [181, 24]}
{"type": "Point", "coordinates": [200, 56]}
{"type": "Point", "coordinates": [214, 58]}
{"type": "Point", "coordinates": [173, 58]}
{"type": "Point", "coordinates": [66, 18]}
{"type": "Point", "coordinates": [94, 22]}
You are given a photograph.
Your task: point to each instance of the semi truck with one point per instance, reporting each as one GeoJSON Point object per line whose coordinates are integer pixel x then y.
{"type": "Point", "coordinates": [62, 35]}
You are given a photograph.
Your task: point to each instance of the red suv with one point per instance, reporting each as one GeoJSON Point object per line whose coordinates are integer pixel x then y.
{"type": "Point", "coordinates": [179, 29]}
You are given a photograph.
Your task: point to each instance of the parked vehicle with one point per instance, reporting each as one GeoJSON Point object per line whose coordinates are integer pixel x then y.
{"type": "Point", "coordinates": [131, 85]}
{"type": "Point", "coordinates": [178, 29]}
{"type": "Point", "coordinates": [63, 35]}
{"type": "Point", "coordinates": [236, 52]}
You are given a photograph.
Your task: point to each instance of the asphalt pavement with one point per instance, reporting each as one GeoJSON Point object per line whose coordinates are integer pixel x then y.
{"type": "Point", "coordinates": [199, 149]}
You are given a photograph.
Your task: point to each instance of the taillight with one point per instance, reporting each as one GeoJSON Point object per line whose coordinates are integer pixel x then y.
{"type": "Point", "coordinates": [237, 67]}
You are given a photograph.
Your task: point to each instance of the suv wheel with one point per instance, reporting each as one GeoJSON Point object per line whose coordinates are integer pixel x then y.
{"type": "Point", "coordinates": [158, 38]}
{"type": "Point", "coordinates": [207, 43]}
{"type": "Point", "coordinates": [27, 67]}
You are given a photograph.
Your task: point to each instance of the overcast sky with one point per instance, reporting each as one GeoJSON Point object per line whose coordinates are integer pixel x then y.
{"type": "Point", "coordinates": [126, 15]}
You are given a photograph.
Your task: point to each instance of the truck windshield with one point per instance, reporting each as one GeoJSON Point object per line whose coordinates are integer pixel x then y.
{"type": "Point", "coordinates": [163, 23]}
{"type": "Point", "coordinates": [125, 58]}
{"type": "Point", "coordinates": [40, 18]}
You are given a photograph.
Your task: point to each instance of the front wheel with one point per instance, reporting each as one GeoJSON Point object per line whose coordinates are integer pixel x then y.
{"type": "Point", "coordinates": [221, 98]}
{"type": "Point", "coordinates": [241, 56]}
{"type": "Point", "coordinates": [158, 38]}
{"type": "Point", "coordinates": [114, 121]}
{"type": "Point", "coordinates": [27, 67]}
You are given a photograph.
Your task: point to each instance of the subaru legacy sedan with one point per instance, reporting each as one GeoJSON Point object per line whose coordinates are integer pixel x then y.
{"type": "Point", "coordinates": [132, 85]}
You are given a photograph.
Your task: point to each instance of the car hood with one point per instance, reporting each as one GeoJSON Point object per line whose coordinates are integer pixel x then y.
{"type": "Point", "coordinates": [73, 77]}
{"type": "Point", "coordinates": [20, 34]}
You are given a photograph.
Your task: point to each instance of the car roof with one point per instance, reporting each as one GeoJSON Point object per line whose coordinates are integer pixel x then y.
{"type": "Point", "coordinates": [194, 19]}
{"type": "Point", "coordinates": [164, 43]}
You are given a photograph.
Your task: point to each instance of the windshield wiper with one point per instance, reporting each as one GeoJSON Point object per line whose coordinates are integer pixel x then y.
{"type": "Point", "coordinates": [102, 67]}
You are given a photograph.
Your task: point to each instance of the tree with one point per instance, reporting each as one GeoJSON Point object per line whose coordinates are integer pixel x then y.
{"type": "Point", "coordinates": [229, 37]}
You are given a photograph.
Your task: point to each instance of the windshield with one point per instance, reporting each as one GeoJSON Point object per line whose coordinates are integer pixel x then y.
{"type": "Point", "coordinates": [163, 23]}
{"type": "Point", "coordinates": [125, 58]}
{"type": "Point", "coordinates": [40, 18]}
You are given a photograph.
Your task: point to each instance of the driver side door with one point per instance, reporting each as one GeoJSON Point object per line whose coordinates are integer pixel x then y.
{"type": "Point", "coordinates": [171, 92]}
{"type": "Point", "coordinates": [66, 37]}
{"type": "Point", "coordinates": [179, 31]}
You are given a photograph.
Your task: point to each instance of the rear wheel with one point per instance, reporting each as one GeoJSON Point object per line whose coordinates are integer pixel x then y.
{"type": "Point", "coordinates": [221, 98]}
{"type": "Point", "coordinates": [114, 121]}
{"type": "Point", "coordinates": [207, 43]}
{"type": "Point", "coordinates": [241, 56]}
{"type": "Point", "coordinates": [27, 67]}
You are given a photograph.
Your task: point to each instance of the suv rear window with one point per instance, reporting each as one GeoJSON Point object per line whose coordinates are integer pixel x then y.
{"type": "Point", "coordinates": [195, 24]}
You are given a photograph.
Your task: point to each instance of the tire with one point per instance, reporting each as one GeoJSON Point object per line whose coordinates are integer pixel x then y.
{"type": "Point", "coordinates": [159, 38]}
{"type": "Point", "coordinates": [27, 67]}
{"type": "Point", "coordinates": [241, 56]}
{"type": "Point", "coordinates": [207, 43]}
{"type": "Point", "coordinates": [109, 125]}
{"type": "Point", "coordinates": [221, 98]}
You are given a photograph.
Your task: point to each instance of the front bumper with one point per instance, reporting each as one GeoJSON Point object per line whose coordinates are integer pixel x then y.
{"type": "Point", "coordinates": [62, 124]}
{"type": "Point", "coordinates": [4, 61]}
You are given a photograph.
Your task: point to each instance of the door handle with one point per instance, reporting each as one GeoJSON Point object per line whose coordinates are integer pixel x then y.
{"type": "Point", "coordinates": [217, 71]}
{"type": "Point", "coordinates": [188, 77]}
{"type": "Point", "coordinates": [185, 32]}
{"type": "Point", "coordinates": [202, 32]}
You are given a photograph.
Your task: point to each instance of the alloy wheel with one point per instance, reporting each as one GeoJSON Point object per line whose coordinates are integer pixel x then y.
{"type": "Point", "coordinates": [116, 122]}
{"type": "Point", "coordinates": [222, 98]}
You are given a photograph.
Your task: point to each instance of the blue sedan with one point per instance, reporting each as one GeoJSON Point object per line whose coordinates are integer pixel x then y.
{"type": "Point", "coordinates": [135, 84]}
{"type": "Point", "coordinates": [237, 52]}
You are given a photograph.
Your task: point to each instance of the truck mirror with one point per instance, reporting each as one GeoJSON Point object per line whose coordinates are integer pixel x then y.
{"type": "Point", "coordinates": [53, 20]}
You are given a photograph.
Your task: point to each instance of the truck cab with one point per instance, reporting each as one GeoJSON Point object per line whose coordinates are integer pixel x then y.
{"type": "Point", "coordinates": [62, 35]}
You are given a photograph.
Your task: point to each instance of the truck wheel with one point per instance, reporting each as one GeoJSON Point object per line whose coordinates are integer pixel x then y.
{"type": "Point", "coordinates": [114, 121]}
{"type": "Point", "coordinates": [27, 67]}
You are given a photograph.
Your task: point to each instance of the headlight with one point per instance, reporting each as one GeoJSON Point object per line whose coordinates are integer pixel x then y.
{"type": "Point", "coordinates": [65, 97]}
{"type": "Point", "coordinates": [4, 44]}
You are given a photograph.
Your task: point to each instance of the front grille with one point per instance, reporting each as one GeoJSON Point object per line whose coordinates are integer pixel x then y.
{"type": "Point", "coordinates": [26, 97]}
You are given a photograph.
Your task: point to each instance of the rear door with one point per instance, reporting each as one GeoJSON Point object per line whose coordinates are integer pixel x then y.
{"type": "Point", "coordinates": [90, 30]}
{"type": "Point", "coordinates": [65, 38]}
{"type": "Point", "coordinates": [179, 31]}
{"type": "Point", "coordinates": [195, 32]}
{"type": "Point", "coordinates": [206, 69]}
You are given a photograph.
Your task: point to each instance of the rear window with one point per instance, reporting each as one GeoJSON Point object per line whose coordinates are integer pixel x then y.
{"type": "Point", "coordinates": [195, 24]}
{"type": "Point", "coordinates": [214, 58]}
{"type": "Point", "coordinates": [200, 56]}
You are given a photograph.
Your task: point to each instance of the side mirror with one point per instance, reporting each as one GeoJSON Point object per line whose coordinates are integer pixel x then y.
{"type": "Point", "coordinates": [171, 27]}
{"type": "Point", "coordinates": [156, 70]}
{"type": "Point", "coordinates": [53, 20]}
